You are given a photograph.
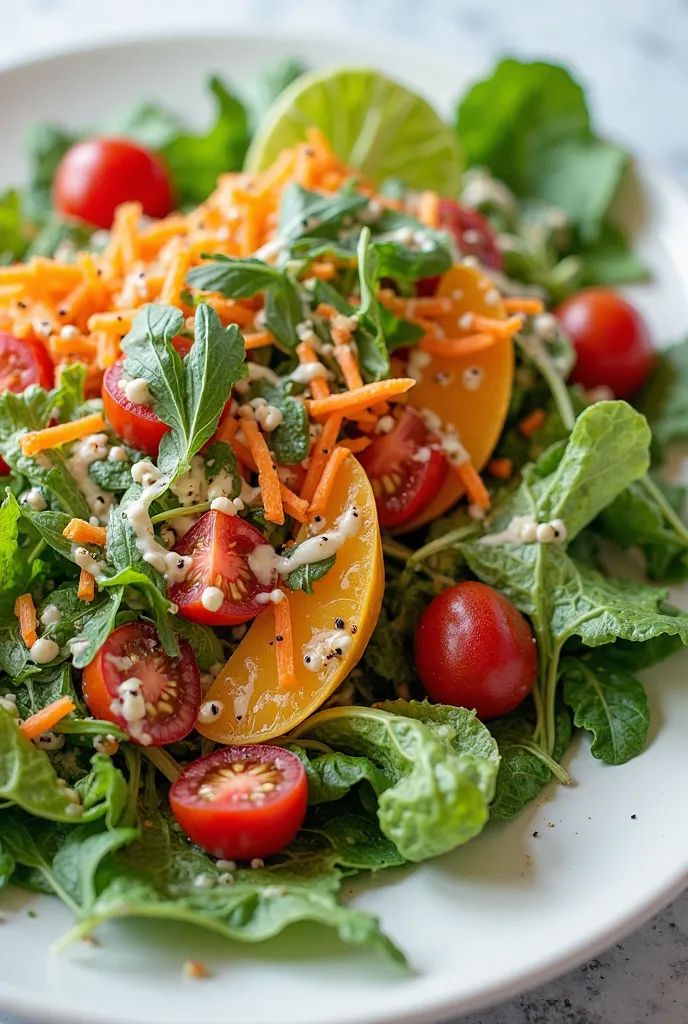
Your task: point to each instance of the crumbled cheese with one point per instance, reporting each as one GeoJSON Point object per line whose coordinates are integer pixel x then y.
{"type": "Point", "coordinates": [423, 455]}
{"type": "Point", "coordinates": [50, 615]}
{"type": "Point", "coordinates": [384, 425]}
{"type": "Point", "coordinates": [205, 881]}
{"type": "Point", "coordinates": [118, 454]}
{"type": "Point", "coordinates": [43, 650]}
{"type": "Point", "coordinates": [212, 598]}
{"type": "Point", "coordinates": [257, 864]}
{"type": "Point", "coordinates": [34, 499]}
{"type": "Point", "coordinates": [269, 417]}
{"type": "Point", "coordinates": [50, 741]}
{"type": "Point", "coordinates": [172, 566]}
{"type": "Point", "coordinates": [136, 391]}
{"type": "Point", "coordinates": [69, 332]}
{"type": "Point", "coordinates": [324, 648]}
{"type": "Point", "coordinates": [225, 505]}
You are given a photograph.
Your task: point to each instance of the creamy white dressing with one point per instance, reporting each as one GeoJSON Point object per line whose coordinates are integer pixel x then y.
{"type": "Point", "coordinates": [43, 650]}
{"type": "Point", "coordinates": [212, 599]}
{"type": "Point", "coordinates": [274, 596]}
{"type": "Point", "coordinates": [78, 645]}
{"type": "Point", "coordinates": [118, 454]}
{"type": "Point", "coordinates": [325, 648]}
{"type": "Point", "coordinates": [50, 615]}
{"type": "Point", "coordinates": [85, 560]}
{"type": "Point", "coordinates": [527, 530]}
{"type": "Point", "coordinates": [225, 505]}
{"type": "Point", "coordinates": [307, 372]}
{"type": "Point", "coordinates": [136, 391]}
{"type": "Point", "coordinates": [85, 452]}
{"type": "Point", "coordinates": [34, 499]}
{"type": "Point", "coordinates": [131, 706]}
{"type": "Point", "coordinates": [314, 549]}
{"type": "Point", "coordinates": [169, 564]}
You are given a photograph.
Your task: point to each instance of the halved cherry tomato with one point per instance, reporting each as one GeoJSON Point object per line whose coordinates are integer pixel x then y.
{"type": "Point", "coordinates": [23, 361]}
{"type": "Point", "coordinates": [170, 687]}
{"type": "Point", "coordinates": [219, 546]}
{"type": "Point", "coordinates": [136, 424]}
{"type": "Point", "coordinates": [474, 649]}
{"type": "Point", "coordinates": [242, 802]}
{"type": "Point", "coordinates": [96, 175]}
{"type": "Point", "coordinates": [406, 468]}
{"type": "Point", "coordinates": [611, 339]}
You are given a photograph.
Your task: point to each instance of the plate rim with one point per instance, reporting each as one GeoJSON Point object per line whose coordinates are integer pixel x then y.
{"type": "Point", "coordinates": [39, 1008]}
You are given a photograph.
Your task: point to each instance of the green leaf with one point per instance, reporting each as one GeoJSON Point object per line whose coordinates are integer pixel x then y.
{"type": "Point", "coordinates": [643, 517]}
{"type": "Point", "coordinates": [46, 144]}
{"type": "Point", "coordinates": [7, 866]}
{"type": "Point", "coordinates": [439, 798]}
{"type": "Point", "coordinates": [206, 645]}
{"type": "Point", "coordinates": [304, 577]}
{"type": "Point", "coordinates": [283, 313]}
{"type": "Point", "coordinates": [523, 769]}
{"type": "Point", "coordinates": [57, 233]}
{"type": "Point", "coordinates": [13, 240]}
{"type": "Point", "coordinates": [50, 525]}
{"type": "Point", "coordinates": [665, 398]}
{"type": "Point", "coordinates": [333, 775]}
{"type": "Point", "coordinates": [42, 686]}
{"type": "Point", "coordinates": [14, 570]}
{"type": "Point", "coordinates": [189, 396]}
{"type": "Point", "coordinates": [220, 459]}
{"type": "Point", "coordinates": [92, 621]}
{"type": "Point", "coordinates": [370, 334]}
{"type": "Point", "coordinates": [290, 442]}
{"type": "Point", "coordinates": [305, 214]}
{"type": "Point", "coordinates": [272, 84]}
{"type": "Point", "coordinates": [608, 702]}
{"type": "Point", "coordinates": [110, 475]}
{"type": "Point", "coordinates": [424, 252]}
{"type": "Point", "coordinates": [610, 261]}
{"type": "Point", "coordinates": [104, 790]}
{"type": "Point", "coordinates": [234, 278]}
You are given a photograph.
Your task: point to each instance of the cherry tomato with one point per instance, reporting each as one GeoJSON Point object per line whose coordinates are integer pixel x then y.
{"type": "Point", "coordinates": [136, 424]}
{"type": "Point", "coordinates": [220, 546]}
{"type": "Point", "coordinates": [474, 649]}
{"type": "Point", "coordinates": [169, 687]}
{"type": "Point", "coordinates": [611, 339]}
{"type": "Point", "coordinates": [242, 802]}
{"type": "Point", "coordinates": [406, 468]}
{"type": "Point", "coordinates": [23, 361]}
{"type": "Point", "coordinates": [96, 175]}
{"type": "Point", "coordinates": [472, 232]}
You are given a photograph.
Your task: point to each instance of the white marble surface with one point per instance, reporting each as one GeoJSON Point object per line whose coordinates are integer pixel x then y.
{"type": "Point", "coordinates": [633, 55]}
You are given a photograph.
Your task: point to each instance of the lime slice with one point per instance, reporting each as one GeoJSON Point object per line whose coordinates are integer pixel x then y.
{"type": "Point", "coordinates": [374, 124]}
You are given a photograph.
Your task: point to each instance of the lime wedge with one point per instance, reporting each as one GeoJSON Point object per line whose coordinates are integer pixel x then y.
{"type": "Point", "coordinates": [374, 124]}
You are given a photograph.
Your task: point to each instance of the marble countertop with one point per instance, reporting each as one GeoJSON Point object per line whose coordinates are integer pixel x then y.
{"type": "Point", "coordinates": [632, 54]}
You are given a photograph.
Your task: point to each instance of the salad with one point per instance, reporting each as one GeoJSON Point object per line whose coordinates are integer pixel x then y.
{"type": "Point", "coordinates": [320, 433]}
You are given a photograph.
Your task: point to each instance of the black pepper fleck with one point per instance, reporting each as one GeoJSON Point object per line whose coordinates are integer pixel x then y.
{"type": "Point", "coordinates": [339, 623]}
{"type": "Point", "coordinates": [279, 638]}
{"type": "Point", "coordinates": [354, 629]}
{"type": "Point", "coordinates": [634, 817]}
{"type": "Point", "coordinates": [535, 835]}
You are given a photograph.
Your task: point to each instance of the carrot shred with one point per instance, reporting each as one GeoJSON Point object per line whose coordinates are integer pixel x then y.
{"type": "Point", "coordinates": [344, 354]}
{"type": "Point", "coordinates": [174, 281]}
{"type": "Point", "coordinates": [284, 643]}
{"type": "Point", "coordinates": [81, 532]}
{"type": "Point", "coordinates": [429, 209]}
{"type": "Point", "coordinates": [322, 492]}
{"type": "Point", "coordinates": [25, 610]}
{"type": "Point", "coordinates": [119, 322]}
{"type": "Point", "coordinates": [267, 476]}
{"type": "Point", "coordinates": [356, 444]}
{"type": "Point", "coordinates": [296, 507]}
{"type": "Point", "coordinates": [500, 328]}
{"type": "Point", "coordinates": [39, 440]}
{"type": "Point", "coordinates": [351, 402]}
{"type": "Point", "coordinates": [319, 386]}
{"type": "Point", "coordinates": [86, 590]}
{"type": "Point", "coordinates": [431, 305]}
{"type": "Point", "coordinates": [230, 311]}
{"type": "Point", "coordinates": [323, 270]}
{"type": "Point", "coordinates": [258, 340]}
{"type": "Point", "coordinates": [500, 469]}
{"type": "Point", "coordinates": [46, 718]}
{"type": "Point", "coordinates": [473, 482]}
{"type": "Point", "coordinates": [531, 307]}
{"type": "Point", "coordinates": [452, 348]}
{"type": "Point", "coordinates": [528, 426]}
{"type": "Point", "coordinates": [319, 455]}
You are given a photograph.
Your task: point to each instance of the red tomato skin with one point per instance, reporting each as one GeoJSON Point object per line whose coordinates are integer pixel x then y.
{"type": "Point", "coordinates": [611, 339]}
{"type": "Point", "coordinates": [474, 649]}
{"type": "Point", "coordinates": [137, 425]}
{"type": "Point", "coordinates": [23, 361]}
{"type": "Point", "coordinates": [393, 453]}
{"type": "Point", "coordinates": [101, 679]}
{"type": "Point", "coordinates": [459, 219]}
{"type": "Point", "coordinates": [219, 534]}
{"type": "Point", "coordinates": [241, 829]}
{"type": "Point", "coordinates": [98, 174]}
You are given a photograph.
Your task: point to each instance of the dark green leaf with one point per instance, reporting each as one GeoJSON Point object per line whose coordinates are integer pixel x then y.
{"type": "Point", "coordinates": [304, 577]}
{"type": "Point", "coordinates": [665, 399]}
{"type": "Point", "coordinates": [234, 278]}
{"type": "Point", "coordinates": [290, 442]}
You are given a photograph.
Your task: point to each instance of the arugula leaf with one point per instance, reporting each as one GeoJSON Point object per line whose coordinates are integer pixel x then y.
{"type": "Point", "coordinates": [13, 240]}
{"type": "Point", "coordinates": [50, 525]}
{"type": "Point", "coordinates": [45, 685]}
{"type": "Point", "coordinates": [304, 577]}
{"type": "Point", "coordinates": [92, 622]}
{"type": "Point", "coordinates": [46, 144]}
{"type": "Point", "coordinates": [14, 656]}
{"type": "Point", "coordinates": [111, 476]}
{"type": "Point", "coordinates": [439, 797]}
{"type": "Point", "coordinates": [664, 400]}
{"type": "Point", "coordinates": [524, 769]}
{"type": "Point", "coordinates": [290, 442]}
{"type": "Point", "coordinates": [283, 313]}
{"type": "Point", "coordinates": [220, 459]}
{"type": "Point", "coordinates": [206, 645]}
{"type": "Point", "coordinates": [305, 214]}
{"type": "Point", "coordinates": [234, 278]}
{"type": "Point", "coordinates": [189, 396]}
{"type": "Point", "coordinates": [610, 703]}
{"type": "Point", "coordinates": [426, 253]}
{"type": "Point", "coordinates": [156, 877]}
{"type": "Point", "coordinates": [14, 570]}
{"type": "Point", "coordinates": [370, 334]}
{"type": "Point", "coordinates": [529, 123]}
{"type": "Point", "coordinates": [642, 516]}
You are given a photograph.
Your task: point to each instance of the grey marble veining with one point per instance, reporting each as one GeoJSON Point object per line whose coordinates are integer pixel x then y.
{"type": "Point", "coordinates": [633, 55]}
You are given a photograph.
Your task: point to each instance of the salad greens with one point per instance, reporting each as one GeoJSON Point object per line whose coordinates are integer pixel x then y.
{"type": "Point", "coordinates": [392, 779]}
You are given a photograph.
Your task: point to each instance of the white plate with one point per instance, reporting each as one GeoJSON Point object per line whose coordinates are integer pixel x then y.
{"type": "Point", "coordinates": [506, 912]}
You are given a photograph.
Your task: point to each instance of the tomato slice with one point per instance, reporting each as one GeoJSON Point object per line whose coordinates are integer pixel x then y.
{"type": "Point", "coordinates": [161, 703]}
{"type": "Point", "coordinates": [219, 546]}
{"type": "Point", "coordinates": [242, 802]}
{"type": "Point", "coordinates": [406, 467]}
{"type": "Point", "coordinates": [135, 423]}
{"type": "Point", "coordinates": [23, 361]}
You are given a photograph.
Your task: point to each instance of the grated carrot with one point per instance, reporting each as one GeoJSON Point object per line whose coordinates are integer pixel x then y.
{"type": "Point", "coordinates": [284, 643]}
{"type": "Point", "coordinates": [356, 444]}
{"type": "Point", "coordinates": [501, 469]}
{"type": "Point", "coordinates": [531, 307]}
{"type": "Point", "coordinates": [500, 328]}
{"type": "Point", "coordinates": [125, 230]}
{"type": "Point", "coordinates": [452, 348]}
{"type": "Point", "coordinates": [267, 476]}
{"type": "Point", "coordinates": [411, 308]}
{"type": "Point", "coordinates": [473, 482]}
{"type": "Point", "coordinates": [81, 532]}
{"type": "Point", "coordinates": [39, 440]}
{"type": "Point", "coordinates": [47, 718]}
{"type": "Point", "coordinates": [319, 386]}
{"type": "Point", "coordinates": [320, 451]}
{"type": "Point", "coordinates": [530, 424]}
{"type": "Point", "coordinates": [258, 340]}
{"type": "Point", "coordinates": [344, 354]}
{"type": "Point", "coordinates": [25, 610]}
{"type": "Point", "coordinates": [323, 270]}
{"type": "Point", "coordinates": [429, 209]}
{"type": "Point", "coordinates": [296, 507]}
{"type": "Point", "coordinates": [86, 590]}
{"type": "Point", "coordinates": [230, 311]}
{"type": "Point", "coordinates": [119, 322]}
{"type": "Point", "coordinates": [79, 346]}
{"type": "Point", "coordinates": [174, 281]}
{"type": "Point", "coordinates": [322, 492]}
{"type": "Point", "coordinates": [350, 402]}
{"type": "Point", "coordinates": [107, 349]}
